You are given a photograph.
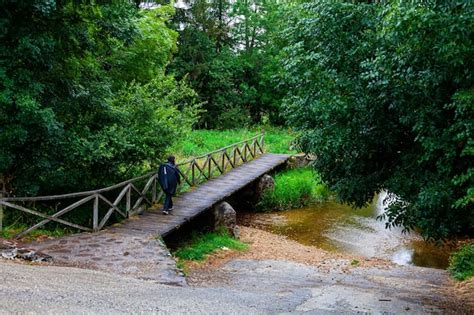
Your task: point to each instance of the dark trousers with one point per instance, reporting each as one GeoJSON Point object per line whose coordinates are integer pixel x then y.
{"type": "Point", "coordinates": [168, 202]}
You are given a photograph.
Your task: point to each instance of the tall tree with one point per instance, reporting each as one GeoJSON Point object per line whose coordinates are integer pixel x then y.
{"type": "Point", "coordinates": [383, 94]}
{"type": "Point", "coordinates": [226, 50]}
{"type": "Point", "coordinates": [63, 67]}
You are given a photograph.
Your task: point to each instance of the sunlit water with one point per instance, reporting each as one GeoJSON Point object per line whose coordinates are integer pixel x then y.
{"type": "Point", "coordinates": [335, 227]}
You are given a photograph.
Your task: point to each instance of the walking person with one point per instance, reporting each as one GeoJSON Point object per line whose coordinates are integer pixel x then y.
{"type": "Point", "coordinates": [168, 176]}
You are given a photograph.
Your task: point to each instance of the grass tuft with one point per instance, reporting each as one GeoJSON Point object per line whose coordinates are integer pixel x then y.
{"type": "Point", "coordinates": [10, 231]}
{"type": "Point", "coordinates": [294, 188]}
{"type": "Point", "coordinates": [204, 244]}
{"type": "Point", "coordinates": [461, 263]}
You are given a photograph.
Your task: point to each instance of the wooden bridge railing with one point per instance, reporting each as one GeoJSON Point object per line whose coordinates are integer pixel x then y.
{"type": "Point", "coordinates": [134, 195]}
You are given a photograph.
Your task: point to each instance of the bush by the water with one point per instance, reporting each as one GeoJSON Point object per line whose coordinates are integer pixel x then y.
{"type": "Point", "coordinates": [294, 188]}
{"type": "Point", "coordinates": [461, 263]}
{"type": "Point", "coordinates": [204, 244]}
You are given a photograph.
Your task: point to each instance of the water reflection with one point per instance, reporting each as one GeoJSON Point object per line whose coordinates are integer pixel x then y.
{"type": "Point", "coordinates": [337, 227]}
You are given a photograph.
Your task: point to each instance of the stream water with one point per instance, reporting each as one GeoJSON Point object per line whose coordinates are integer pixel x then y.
{"type": "Point", "coordinates": [335, 227]}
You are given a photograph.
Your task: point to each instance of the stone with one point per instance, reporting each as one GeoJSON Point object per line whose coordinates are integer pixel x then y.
{"type": "Point", "coordinates": [300, 160]}
{"type": "Point", "coordinates": [266, 182]}
{"type": "Point", "coordinates": [225, 215]}
{"type": "Point", "coordinates": [9, 250]}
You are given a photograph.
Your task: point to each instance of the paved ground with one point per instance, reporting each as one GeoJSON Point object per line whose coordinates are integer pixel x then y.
{"type": "Point", "coordinates": [240, 287]}
{"type": "Point", "coordinates": [139, 254]}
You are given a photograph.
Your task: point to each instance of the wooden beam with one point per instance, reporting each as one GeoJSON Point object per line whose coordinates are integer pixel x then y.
{"type": "Point", "coordinates": [95, 214]}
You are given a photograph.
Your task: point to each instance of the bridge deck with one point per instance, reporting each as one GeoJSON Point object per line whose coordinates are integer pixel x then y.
{"type": "Point", "coordinates": [192, 203]}
{"type": "Point", "coordinates": [131, 248]}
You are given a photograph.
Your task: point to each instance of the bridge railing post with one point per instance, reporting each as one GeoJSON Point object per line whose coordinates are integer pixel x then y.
{"type": "Point", "coordinates": [95, 214]}
{"type": "Point", "coordinates": [128, 202]}
{"type": "Point", "coordinates": [2, 194]}
{"type": "Point", "coordinates": [153, 191]}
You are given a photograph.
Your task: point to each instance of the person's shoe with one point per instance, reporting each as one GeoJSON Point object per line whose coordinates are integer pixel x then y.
{"type": "Point", "coordinates": [165, 211]}
{"type": "Point", "coordinates": [170, 209]}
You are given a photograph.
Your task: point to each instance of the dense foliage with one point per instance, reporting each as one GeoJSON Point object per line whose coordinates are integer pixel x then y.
{"type": "Point", "coordinates": [226, 51]}
{"type": "Point", "coordinates": [461, 263]}
{"type": "Point", "coordinates": [84, 99]}
{"type": "Point", "coordinates": [381, 92]}
{"type": "Point", "coordinates": [384, 95]}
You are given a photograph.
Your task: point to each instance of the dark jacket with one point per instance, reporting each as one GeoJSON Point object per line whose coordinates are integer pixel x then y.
{"type": "Point", "coordinates": [168, 176]}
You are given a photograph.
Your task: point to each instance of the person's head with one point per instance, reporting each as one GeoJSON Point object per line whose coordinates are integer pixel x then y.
{"type": "Point", "coordinates": [171, 159]}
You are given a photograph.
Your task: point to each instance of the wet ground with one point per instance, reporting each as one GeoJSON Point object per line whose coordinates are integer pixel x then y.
{"type": "Point", "coordinates": [335, 227]}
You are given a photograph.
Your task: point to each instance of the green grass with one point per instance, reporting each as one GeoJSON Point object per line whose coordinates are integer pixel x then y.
{"type": "Point", "coordinates": [10, 231]}
{"type": "Point", "coordinates": [461, 263]}
{"type": "Point", "coordinates": [294, 188]}
{"type": "Point", "coordinates": [277, 140]}
{"type": "Point", "coordinates": [205, 244]}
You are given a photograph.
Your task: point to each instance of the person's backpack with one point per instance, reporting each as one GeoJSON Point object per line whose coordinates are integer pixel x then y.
{"type": "Point", "coordinates": [163, 177]}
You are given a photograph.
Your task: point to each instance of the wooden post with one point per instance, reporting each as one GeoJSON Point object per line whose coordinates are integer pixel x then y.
{"type": "Point", "coordinates": [2, 194]}
{"type": "Point", "coordinates": [153, 191]}
{"type": "Point", "coordinates": [209, 166]}
{"type": "Point", "coordinates": [128, 200]}
{"type": "Point", "coordinates": [193, 181]}
{"type": "Point", "coordinates": [95, 214]}
{"type": "Point", "coordinates": [1, 215]}
{"type": "Point", "coordinates": [235, 153]}
{"type": "Point", "coordinates": [223, 162]}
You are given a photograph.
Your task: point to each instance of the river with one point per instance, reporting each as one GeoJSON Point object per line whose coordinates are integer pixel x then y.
{"type": "Point", "coordinates": [336, 227]}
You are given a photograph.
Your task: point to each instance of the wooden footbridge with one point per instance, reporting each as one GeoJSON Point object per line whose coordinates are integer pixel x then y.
{"type": "Point", "coordinates": [207, 179]}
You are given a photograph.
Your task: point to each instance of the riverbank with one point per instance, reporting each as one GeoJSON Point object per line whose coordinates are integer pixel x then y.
{"type": "Point", "coordinates": [339, 282]}
{"type": "Point", "coordinates": [269, 246]}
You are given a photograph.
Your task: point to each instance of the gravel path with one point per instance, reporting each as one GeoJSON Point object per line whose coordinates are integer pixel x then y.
{"type": "Point", "coordinates": [238, 287]}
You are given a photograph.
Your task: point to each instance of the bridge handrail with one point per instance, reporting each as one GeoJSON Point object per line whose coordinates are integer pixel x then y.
{"type": "Point", "coordinates": [193, 171]}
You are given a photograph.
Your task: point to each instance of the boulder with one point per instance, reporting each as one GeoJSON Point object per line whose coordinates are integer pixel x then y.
{"type": "Point", "coordinates": [266, 182]}
{"type": "Point", "coordinates": [300, 160]}
{"type": "Point", "coordinates": [225, 216]}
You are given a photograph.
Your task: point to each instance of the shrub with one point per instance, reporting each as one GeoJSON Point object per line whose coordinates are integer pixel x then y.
{"type": "Point", "coordinates": [461, 263]}
{"type": "Point", "coordinates": [294, 188]}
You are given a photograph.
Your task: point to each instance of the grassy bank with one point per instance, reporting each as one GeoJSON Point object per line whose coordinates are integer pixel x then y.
{"type": "Point", "coordinates": [294, 188]}
{"type": "Point", "coordinates": [277, 140]}
{"type": "Point", "coordinates": [201, 245]}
